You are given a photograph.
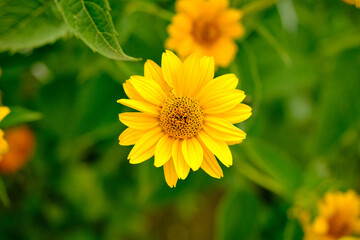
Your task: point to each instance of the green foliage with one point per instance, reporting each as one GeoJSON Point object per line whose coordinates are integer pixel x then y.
{"type": "Point", "coordinates": [92, 22]}
{"type": "Point", "coordinates": [4, 198]}
{"type": "Point", "coordinates": [238, 216]}
{"type": "Point", "coordinates": [29, 24]}
{"type": "Point", "coordinates": [275, 164]}
{"type": "Point", "coordinates": [18, 116]}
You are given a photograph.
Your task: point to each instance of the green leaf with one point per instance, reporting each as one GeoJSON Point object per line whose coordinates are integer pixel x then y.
{"type": "Point", "coordinates": [238, 216]}
{"type": "Point", "coordinates": [19, 115]}
{"type": "Point", "coordinates": [29, 24]}
{"type": "Point", "coordinates": [92, 22]}
{"type": "Point", "coordinates": [274, 163]}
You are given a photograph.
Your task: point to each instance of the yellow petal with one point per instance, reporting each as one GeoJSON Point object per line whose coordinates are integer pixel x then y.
{"type": "Point", "coordinates": [183, 22]}
{"type": "Point", "coordinates": [189, 76]}
{"type": "Point", "coordinates": [145, 147]}
{"type": "Point", "coordinates": [185, 46]}
{"type": "Point", "coordinates": [138, 120]}
{"type": "Point", "coordinates": [131, 92]}
{"type": "Point", "coordinates": [222, 130]}
{"type": "Point", "coordinates": [148, 89]}
{"type": "Point", "coordinates": [170, 174]}
{"type": "Point", "coordinates": [239, 113]}
{"type": "Point", "coordinates": [227, 81]}
{"type": "Point", "coordinates": [233, 143]}
{"type": "Point", "coordinates": [130, 136]}
{"type": "Point", "coordinates": [154, 72]}
{"type": "Point", "coordinates": [229, 22]}
{"type": "Point", "coordinates": [224, 51]}
{"type": "Point", "coordinates": [171, 66]}
{"type": "Point", "coordinates": [4, 147]}
{"type": "Point", "coordinates": [219, 5]}
{"type": "Point", "coordinates": [221, 102]}
{"type": "Point", "coordinates": [210, 165]}
{"type": "Point", "coordinates": [216, 86]}
{"type": "Point", "coordinates": [229, 16]}
{"type": "Point", "coordinates": [176, 32]}
{"type": "Point", "coordinates": [349, 238]}
{"type": "Point", "coordinates": [4, 111]}
{"type": "Point", "coordinates": [181, 167]}
{"type": "Point", "coordinates": [189, 7]}
{"type": "Point", "coordinates": [218, 148]}
{"type": "Point", "coordinates": [320, 226]}
{"type": "Point", "coordinates": [192, 152]}
{"type": "Point", "coordinates": [206, 74]}
{"type": "Point", "coordinates": [140, 106]}
{"type": "Point", "coordinates": [235, 30]}
{"type": "Point", "coordinates": [163, 150]}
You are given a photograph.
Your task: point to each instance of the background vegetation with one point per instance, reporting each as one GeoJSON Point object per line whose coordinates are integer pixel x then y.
{"type": "Point", "coordinates": [298, 64]}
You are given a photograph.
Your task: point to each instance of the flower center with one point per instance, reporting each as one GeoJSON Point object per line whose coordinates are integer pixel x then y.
{"type": "Point", "coordinates": [181, 117]}
{"type": "Point", "coordinates": [205, 32]}
{"type": "Point", "coordinates": [339, 227]}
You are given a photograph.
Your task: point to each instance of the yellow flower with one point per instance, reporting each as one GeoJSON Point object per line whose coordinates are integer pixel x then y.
{"type": "Point", "coordinates": [21, 143]}
{"type": "Point", "coordinates": [338, 218]}
{"type": "Point", "coordinates": [186, 116]}
{"type": "Point", "coordinates": [353, 2]}
{"type": "Point", "coordinates": [208, 27]}
{"type": "Point", "coordinates": [4, 111]}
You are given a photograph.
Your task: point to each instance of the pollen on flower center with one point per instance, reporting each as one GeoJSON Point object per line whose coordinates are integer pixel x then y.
{"type": "Point", "coordinates": [181, 117]}
{"type": "Point", "coordinates": [206, 32]}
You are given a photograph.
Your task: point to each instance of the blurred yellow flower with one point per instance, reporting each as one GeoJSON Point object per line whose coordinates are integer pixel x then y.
{"type": "Point", "coordinates": [338, 218]}
{"type": "Point", "coordinates": [186, 116]}
{"type": "Point", "coordinates": [4, 111]}
{"type": "Point", "coordinates": [208, 27]}
{"type": "Point", "coordinates": [21, 143]}
{"type": "Point", "coordinates": [353, 2]}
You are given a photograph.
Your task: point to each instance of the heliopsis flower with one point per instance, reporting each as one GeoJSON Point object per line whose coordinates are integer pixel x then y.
{"type": "Point", "coordinates": [208, 27]}
{"type": "Point", "coordinates": [338, 218]}
{"type": "Point", "coordinates": [4, 111]}
{"type": "Point", "coordinates": [353, 2]}
{"type": "Point", "coordinates": [21, 145]}
{"type": "Point", "coordinates": [185, 116]}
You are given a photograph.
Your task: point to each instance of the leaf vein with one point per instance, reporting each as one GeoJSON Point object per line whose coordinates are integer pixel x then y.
{"type": "Point", "coordinates": [92, 21]}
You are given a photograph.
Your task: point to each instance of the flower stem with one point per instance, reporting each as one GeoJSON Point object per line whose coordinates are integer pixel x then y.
{"type": "Point", "coordinates": [258, 6]}
{"type": "Point", "coordinates": [259, 178]}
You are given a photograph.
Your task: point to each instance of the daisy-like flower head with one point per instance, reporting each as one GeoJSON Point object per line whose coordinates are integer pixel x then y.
{"type": "Point", "coordinates": [208, 27]}
{"type": "Point", "coordinates": [338, 218]}
{"type": "Point", "coordinates": [353, 2]}
{"type": "Point", "coordinates": [186, 116]}
{"type": "Point", "coordinates": [4, 111]}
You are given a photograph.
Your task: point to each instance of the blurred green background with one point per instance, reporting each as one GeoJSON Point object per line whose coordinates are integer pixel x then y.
{"type": "Point", "coordinates": [299, 65]}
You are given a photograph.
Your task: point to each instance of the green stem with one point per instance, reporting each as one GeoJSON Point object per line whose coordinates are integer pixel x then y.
{"type": "Point", "coordinates": [258, 6]}
{"type": "Point", "coordinates": [255, 77]}
{"type": "Point", "coordinates": [259, 178]}
{"type": "Point", "coordinates": [279, 49]}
